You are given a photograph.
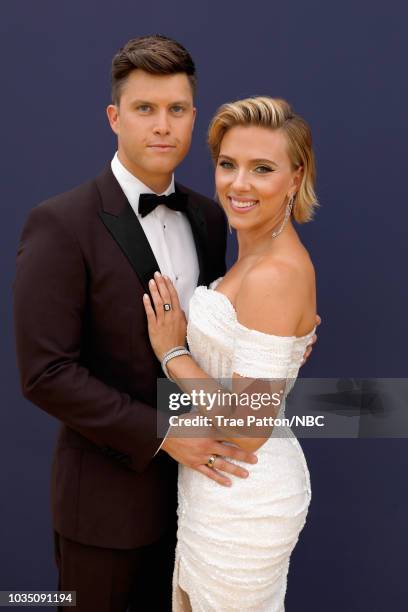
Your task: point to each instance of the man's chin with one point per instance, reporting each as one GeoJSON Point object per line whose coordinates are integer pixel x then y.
{"type": "Point", "coordinates": [162, 168]}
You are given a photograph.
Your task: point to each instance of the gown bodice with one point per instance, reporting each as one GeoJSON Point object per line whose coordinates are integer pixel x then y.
{"type": "Point", "coordinates": [221, 345]}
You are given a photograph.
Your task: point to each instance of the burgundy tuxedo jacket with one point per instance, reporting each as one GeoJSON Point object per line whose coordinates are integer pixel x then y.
{"type": "Point", "coordinates": [84, 355]}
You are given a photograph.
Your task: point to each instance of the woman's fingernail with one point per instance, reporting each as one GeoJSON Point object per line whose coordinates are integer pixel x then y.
{"type": "Point", "coordinates": [157, 274]}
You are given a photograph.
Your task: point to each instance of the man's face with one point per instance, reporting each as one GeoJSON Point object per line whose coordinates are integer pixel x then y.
{"type": "Point", "coordinates": [154, 123]}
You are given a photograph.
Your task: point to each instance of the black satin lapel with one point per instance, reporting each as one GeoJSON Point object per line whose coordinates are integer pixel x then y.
{"type": "Point", "coordinates": [199, 227]}
{"type": "Point", "coordinates": [129, 235]}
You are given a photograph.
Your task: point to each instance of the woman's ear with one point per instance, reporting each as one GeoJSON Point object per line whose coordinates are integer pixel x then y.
{"type": "Point", "coordinates": [296, 181]}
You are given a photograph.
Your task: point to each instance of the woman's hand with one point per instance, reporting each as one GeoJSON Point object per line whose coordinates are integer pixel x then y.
{"type": "Point", "coordinates": [167, 328]}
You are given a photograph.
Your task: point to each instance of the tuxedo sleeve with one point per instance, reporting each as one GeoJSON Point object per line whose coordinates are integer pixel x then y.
{"type": "Point", "coordinates": [50, 292]}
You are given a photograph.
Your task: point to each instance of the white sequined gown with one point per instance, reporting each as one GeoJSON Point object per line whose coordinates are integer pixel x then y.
{"type": "Point", "coordinates": [234, 544]}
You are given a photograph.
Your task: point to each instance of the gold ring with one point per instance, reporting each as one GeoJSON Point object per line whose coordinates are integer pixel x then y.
{"type": "Point", "coordinates": [211, 461]}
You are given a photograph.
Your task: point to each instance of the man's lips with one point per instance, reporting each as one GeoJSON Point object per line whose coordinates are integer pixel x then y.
{"type": "Point", "coordinates": [161, 146]}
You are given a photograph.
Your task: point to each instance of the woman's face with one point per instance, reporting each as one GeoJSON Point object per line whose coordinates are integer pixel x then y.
{"type": "Point", "coordinates": [254, 177]}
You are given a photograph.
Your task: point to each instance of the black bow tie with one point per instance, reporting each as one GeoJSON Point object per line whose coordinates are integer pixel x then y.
{"type": "Point", "coordinates": [149, 201]}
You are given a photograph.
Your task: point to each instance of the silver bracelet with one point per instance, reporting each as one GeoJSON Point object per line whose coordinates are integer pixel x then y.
{"type": "Point", "coordinates": [175, 348]}
{"type": "Point", "coordinates": [176, 352]}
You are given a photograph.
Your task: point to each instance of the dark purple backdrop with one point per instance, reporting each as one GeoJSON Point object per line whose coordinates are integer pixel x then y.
{"type": "Point", "coordinates": [342, 66]}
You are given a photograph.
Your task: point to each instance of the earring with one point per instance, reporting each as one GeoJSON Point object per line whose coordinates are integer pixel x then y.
{"type": "Point", "coordinates": [291, 202]}
{"type": "Point", "coordinates": [230, 228]}
{"type": "Point", "coordinates": [289, 207]}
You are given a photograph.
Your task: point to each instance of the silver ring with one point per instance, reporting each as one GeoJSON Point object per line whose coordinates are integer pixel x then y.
{"type": "Point", "coordinates": [167, 307]}
{"type": "Point", "coordinates": [211, 461]}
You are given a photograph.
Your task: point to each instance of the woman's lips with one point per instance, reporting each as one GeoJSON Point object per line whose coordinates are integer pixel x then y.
{"type": "Point", "coordinates": [242, 205]}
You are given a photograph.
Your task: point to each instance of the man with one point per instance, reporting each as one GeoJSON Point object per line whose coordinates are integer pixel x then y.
{"type": "Point", "coordinates": [84, 262]}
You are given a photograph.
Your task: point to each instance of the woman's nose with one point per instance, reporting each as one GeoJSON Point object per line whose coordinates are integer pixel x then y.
{"type": "Point", "coordinates": [241, 181]}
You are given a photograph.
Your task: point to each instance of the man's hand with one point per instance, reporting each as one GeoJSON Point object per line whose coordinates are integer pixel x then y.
{"type": "Point", "coordinates": [309, 348]}
{"type": "Point", "coordinates": [195, 452]}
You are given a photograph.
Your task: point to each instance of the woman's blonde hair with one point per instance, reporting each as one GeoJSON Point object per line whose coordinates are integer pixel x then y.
{"type": "Point", "coordinates": [275, 114]}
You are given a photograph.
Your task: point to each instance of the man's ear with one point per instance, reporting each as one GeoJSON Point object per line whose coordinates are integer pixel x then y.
{"type": "Point", "coordinates": [112, 112]}
{"type": "Point", "coordinates": [194, 116]}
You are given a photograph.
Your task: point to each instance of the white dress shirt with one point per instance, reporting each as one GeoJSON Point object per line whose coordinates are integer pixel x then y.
{"type": "Point", "coordinates": [168, 233]}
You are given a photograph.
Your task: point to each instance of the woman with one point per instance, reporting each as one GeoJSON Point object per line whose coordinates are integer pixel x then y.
{"type": "Point", "coordinates": [252, 327]}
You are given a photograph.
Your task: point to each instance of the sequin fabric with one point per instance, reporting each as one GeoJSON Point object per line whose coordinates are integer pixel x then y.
{"type": "Point", "coordinates": [234, 544]}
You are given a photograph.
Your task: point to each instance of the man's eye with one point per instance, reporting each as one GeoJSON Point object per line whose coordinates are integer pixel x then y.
{"type": "Point", "coordinates": [144, 108]}
{"type": "Point", "coordinates": [177, 109]}
{"type": "Point", "coordinates": [263, 169]}
{"type": "Point", "coordinates": [225, 164]}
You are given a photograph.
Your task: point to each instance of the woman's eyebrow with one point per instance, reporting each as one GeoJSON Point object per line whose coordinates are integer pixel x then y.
{"type": "Point", "coordinates": [252, 161]}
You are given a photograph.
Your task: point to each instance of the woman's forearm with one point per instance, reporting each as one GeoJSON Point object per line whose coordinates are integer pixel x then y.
{"type": "Point", "coordinates": [225, 419]}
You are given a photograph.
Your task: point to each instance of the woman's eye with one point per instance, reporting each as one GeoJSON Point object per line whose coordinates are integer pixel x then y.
{"type": "Point", "coordinates": [263, 169]}
{"type": "Point", "coordinates": [225, 164]}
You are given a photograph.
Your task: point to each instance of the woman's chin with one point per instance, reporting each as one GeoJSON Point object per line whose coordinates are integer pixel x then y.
{"type": "Point", "coordinates": [239, 224]}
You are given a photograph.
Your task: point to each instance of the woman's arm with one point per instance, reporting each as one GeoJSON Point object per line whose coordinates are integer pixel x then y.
{"type": "Point", "coordinates": [164, 332]}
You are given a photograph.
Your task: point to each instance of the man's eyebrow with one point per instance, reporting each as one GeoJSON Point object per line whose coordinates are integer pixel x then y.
{"type": "Point", "coordinates": [182, 102]}
{"type": "Point", "coordinates": [143, 102]}
{"type": "Point", "coordinates": [150, 103]}
{"type": "Point", "coordinates": [252, 161]}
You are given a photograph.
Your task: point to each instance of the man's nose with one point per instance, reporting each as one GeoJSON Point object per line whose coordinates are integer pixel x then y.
{"type": "Point", "coordinates": [162, 125]}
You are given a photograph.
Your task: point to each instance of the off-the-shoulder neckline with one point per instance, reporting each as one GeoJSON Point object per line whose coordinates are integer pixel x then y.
{"type": "Point", "coordinates": [227, 301]}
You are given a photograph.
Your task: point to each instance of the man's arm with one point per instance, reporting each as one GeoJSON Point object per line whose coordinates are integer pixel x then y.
{"type": "Point", "coordinates": [49, 313]}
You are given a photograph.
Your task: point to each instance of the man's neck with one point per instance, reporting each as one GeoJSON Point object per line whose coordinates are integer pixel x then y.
{"type": "Point", "coordinates": [157, 183]}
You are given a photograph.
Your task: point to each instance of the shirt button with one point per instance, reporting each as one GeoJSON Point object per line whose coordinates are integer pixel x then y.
{"type": "Point", "coordinates": [164, 227]}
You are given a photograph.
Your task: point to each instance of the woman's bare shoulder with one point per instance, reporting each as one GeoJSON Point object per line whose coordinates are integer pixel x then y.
{"type": "Point", "coordinates": [279, 269]}
{"type": "Point", "coordinates": [278, 293]}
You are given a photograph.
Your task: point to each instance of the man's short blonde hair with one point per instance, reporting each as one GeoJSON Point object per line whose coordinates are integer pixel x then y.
{"type": "Point", "coordinates": [274, 114]}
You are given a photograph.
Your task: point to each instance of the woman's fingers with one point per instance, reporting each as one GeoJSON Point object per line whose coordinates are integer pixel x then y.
{"type": "Point", "coordinates": [157, 301]}
{"type": "Point", "coordinates": [175, 302]}
{"type": "Point", "coordinates": [162, 288]}
{"type": "Point", "coordinates": [151, 316]}
{"type": "Point", "coordinates": [163, 292]}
